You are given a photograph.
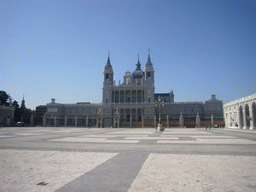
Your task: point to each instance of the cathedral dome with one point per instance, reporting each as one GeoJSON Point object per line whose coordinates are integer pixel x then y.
{"type": "Point", "coordinates": [138, 73]}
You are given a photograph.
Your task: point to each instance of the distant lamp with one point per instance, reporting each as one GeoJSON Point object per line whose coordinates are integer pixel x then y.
{"type": "Point", "coordinates": [159, 103]}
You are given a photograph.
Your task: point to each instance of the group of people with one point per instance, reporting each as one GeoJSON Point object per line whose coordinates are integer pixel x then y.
{"type": "Point", "coordinates": [214, 126]}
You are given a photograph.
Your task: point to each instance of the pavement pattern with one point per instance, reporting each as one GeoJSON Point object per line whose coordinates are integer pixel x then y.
{"type": "Point", "coordinates": [127, 159]}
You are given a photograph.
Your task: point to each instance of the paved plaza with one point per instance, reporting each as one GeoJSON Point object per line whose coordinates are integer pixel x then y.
{"type": "Point", "coordinates": [128, 159]}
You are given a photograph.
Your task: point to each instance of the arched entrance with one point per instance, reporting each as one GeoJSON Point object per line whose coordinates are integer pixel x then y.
{"type": "Point", "coordinates": [247, 117]}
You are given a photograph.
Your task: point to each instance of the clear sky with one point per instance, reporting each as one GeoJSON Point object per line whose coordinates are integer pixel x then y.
{"type": "Point", "coordinates": [58, 49]}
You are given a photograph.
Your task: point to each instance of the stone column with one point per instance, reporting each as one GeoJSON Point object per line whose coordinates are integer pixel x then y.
{"type": "Point", "coordinates": [155, 120]}
{"type": "Point", "coordinates": [181, 120]}
{"type": "Point", "coordinates": [239, 119]}
{"type": "Point", "coordinates": [55, 121]}
{"type": "Point", "coordinates": [32, 120]}
{"type": "Point", "coordinates": [136, 96]}
{"type": "Point", "coordinates": [198, 122]}
{"type": "Point", "coordinates": [125, 96]}
{"type": "Point", "coordinates": [212, 120]}
{"type": "Point", "coordinates": [141, 95]}
{"type": "Point", "coordinates": [130, 117]}
{"type": "Point", "coordinates": [86, 121]}
{"type": "Point", "coordinates": [119, 97]}
{"type": "Point", "coordinates": [136, 113]}
{"type": "Point", "coordinates": [44, 121]}
{"type": "Point", "coordinates": [101, 122]}
{"type": "Point", "coordinates": [65, 121]}
{"type": "Point", "coordinates": [253, 118]}
{"type": "Point", "coordinates": [142, 119]}
{"type": "Point", "coordinates": [124, 115]}
{"type": "Point", "coordinates": [167, 121]}
{"type": "Point", "coordinates": [245, 120]}
{"type": "Point", "coordinates": [76, 121]}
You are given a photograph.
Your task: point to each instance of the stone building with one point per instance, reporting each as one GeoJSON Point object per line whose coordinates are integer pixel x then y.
{"type": "Point", "coordinates": [40, 111]}
{"type": "Point", "coordinates": [241, 113]}
{"type": "Point", "coordinates": [131, 103]}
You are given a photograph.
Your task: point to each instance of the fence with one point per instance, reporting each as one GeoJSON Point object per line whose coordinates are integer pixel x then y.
{"type": "Point", "coordinates": [149, 123]}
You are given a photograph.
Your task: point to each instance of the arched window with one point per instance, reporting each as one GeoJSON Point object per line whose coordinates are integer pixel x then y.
{"type": "Point", "coordinates": [106, 100]}
{"type": "Point", "coordinates": [149, 100]}
{"type": "Point", "coordinates": [107, 76]}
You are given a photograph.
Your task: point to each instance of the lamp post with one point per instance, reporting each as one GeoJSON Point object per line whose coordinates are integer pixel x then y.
{"type": "Point", "coordinates": [159, 103]}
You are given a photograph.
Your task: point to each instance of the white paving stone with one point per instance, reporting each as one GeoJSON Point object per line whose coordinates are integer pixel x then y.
{"type": "Point", "coordinates": [4, 136]}
{"type": "Point", "coordinates": [215, 136]}
{"type": "Point", "coordinates": [210, 141]}
{"type": "Point", "coordinates": [97, 136]}
{"type": "Point", "coordinates": [153, 138]}
{"type": "Point", "coordinates": [22, 170]}
{"type": "Point", "coordinates": [170, 172]}
{"type": "Point", "coordinates": [187, 133]}
{"type": "Point", "coordinates": [93, 140]}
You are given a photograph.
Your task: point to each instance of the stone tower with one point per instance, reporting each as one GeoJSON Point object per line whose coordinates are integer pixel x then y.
{"type": "Point", "coordinates": [107, 82]}
{"type": "Point", "coordinates": [149, 81]}
{"type": "Point", "coordinates": [23, 103]}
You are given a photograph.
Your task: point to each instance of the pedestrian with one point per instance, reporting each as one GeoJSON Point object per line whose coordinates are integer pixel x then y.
{"type": "Point", "coordinates": [206, 127]}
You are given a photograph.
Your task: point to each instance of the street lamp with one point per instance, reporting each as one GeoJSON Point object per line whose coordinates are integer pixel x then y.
{"type": "Point", "coordinates": [159, 103]}
{"type": "Point", "coordinates": [249, 118]}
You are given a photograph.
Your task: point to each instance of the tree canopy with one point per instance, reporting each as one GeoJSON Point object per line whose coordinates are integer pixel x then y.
{"type": "Point", "coordinates": [5, 99]}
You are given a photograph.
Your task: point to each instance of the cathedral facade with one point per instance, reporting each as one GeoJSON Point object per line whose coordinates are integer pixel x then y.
{"type": "Point", "coordinates": [134, 103]}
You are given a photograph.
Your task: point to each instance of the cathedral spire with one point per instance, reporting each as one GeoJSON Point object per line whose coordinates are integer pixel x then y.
{"type": "Point", "coordinates": [149, 60]}
{"type": "Point", "coordinates": [138, 63]}
{"type": "Point", "coordinates": [108, 62]}
{"type": "Point", "coordinates": [23, 103]}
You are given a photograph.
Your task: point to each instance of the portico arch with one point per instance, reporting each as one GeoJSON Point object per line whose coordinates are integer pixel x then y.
{"type": "Point", "coordinates": [246, 117]}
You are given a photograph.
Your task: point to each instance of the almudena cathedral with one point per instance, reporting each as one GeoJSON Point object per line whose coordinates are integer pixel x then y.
{"type": "Point", "coordinates": [134, 103]}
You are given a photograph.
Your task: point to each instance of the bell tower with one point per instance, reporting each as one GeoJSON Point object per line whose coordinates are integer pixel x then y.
{"type": "Point", "coordinates": [107, 82]}
{"type": "Point", "coordinates": [149, 81]}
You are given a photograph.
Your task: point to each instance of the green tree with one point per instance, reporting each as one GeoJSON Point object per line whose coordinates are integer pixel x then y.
{"type": "Point", "coordinates": [15, 104]}
{"type": "Point", "coordinates": [5, 98]}
{"type": "Point", "coordinates": [26, 116]}
{"type": "Point", "coordinates": [17, 112]}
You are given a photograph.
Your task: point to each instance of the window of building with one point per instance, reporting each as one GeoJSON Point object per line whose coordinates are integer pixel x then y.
{"type": "Point", "coordinates": [106, 100]}
{"type": "Point", "coordinates": [149, 100]}
{"type": "Point", "coordinates": [127, 81]}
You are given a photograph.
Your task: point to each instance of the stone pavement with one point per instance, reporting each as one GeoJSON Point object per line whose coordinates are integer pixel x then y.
{"type": "Point", "coordinates": [130, 159]}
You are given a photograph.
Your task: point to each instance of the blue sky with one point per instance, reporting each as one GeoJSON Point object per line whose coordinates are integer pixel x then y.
{"type": "Point", "coordinates": [58, 49]}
